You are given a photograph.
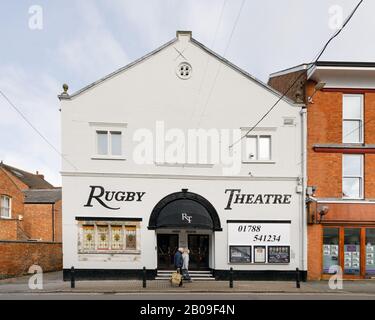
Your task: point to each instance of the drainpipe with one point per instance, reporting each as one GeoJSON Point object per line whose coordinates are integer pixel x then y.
{"type": "Point", "coordinates": [304, 186]}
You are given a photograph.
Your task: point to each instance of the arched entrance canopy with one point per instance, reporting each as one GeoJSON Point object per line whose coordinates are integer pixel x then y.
{"type": "Point", "coordinates": [184, 210]}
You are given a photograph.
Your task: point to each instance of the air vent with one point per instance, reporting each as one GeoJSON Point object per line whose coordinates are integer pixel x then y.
{"type": "Point", "coordinates": [289, 122]}
{"type": "Point", "coordinates": [184, 70]}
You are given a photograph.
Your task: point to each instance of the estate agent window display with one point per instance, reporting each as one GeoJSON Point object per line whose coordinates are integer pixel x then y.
{"type": "Point", "coordinates": [352, 248]}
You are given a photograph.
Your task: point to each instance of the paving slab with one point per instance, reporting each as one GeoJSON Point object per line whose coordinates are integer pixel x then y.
{"type": "Point", "coordinates": [53, 283]}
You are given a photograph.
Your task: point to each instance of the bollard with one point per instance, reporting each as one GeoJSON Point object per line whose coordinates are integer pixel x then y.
{"type": "Point", "coordinates": [231, 278]}
{"type": "Point", "coordinates": [144, 277]}
{"type": "Point", "coordinates": [72, 278]}
{"type": "Point", "coordinates": [298, 280]}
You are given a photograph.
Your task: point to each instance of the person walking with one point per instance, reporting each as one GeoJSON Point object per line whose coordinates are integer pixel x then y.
{"type": "Point", "coordinates": [185, 264]}
{"type": "Point", "coordinates": [178, 262]}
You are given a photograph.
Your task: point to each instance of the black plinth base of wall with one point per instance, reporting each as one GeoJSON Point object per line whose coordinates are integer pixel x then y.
{"type": "Point", "coordinates": [114, 274]}
{"type": "Point", "coordinates": [108, 274]}
{"type": "Point", "coordinates": [263, 275]}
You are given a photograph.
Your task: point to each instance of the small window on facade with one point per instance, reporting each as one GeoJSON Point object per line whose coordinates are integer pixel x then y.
{"type": "Point", "coordinates": [103, 237]}
{"type": "Point", "coordinates": [88, 237]}
{"type": "Point", "coordinates": [102, 139]}
{"type": "Point", "coordinates": [131, 240]}
{"type": "Point", "coordinates": [258, 148]}
{"type": "Point", "coordinates": [352, 181]}
{"type": "Point", "coordinates": [5, 211]}
{"type": "Point", "coordinates": [109, 143]}
{"type": "Point", "coordinates": [352, 118]}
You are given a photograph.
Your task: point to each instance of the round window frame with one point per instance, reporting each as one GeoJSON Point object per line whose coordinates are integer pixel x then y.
{"type": "Point", "coordinates": [178, 69]}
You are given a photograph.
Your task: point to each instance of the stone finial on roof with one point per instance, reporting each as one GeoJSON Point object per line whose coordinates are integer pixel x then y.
{"type": "Point", "coordinates": [65, 88]}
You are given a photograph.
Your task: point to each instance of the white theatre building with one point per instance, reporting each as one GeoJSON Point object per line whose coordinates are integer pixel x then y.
{"type": "Point", "coordinates": [140, 179]}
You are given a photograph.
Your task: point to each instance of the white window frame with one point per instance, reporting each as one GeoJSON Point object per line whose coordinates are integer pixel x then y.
{"type": "Point", "coordinates": [10, 207]}
{"type": "Point", "coordinates": [107, 127]}
{"type": "Point", "coordinates": [259, 133]}
{"type": "Point", "coordinates": [361, 130]}
{"type": "Point", "coordinates": [361, 177]}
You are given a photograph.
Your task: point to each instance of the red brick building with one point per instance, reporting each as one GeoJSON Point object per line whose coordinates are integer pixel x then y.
{"type": "Point", "coordinates": [340, 103]}
{"type": "Point", "coordinates": [30, 218]}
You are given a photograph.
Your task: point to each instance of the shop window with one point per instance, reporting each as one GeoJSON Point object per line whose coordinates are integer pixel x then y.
{"type": "Point", "coordinates": [131, 239]}
{"type": "Point", "coordinates": [117, 238]}
{"type": "Point", "coordinates": [114, 237]}
{"type": "Point", "coordinates": [257, 148]}
{"type": "Point", "coordinates": [352, 253]}
{"type": "Point", "coordinates": [103, 237]}
{"type": "Point", "coordinates": [370, 251]}
{"type": "Point", "coordinates": [330, 249]}
{"type": "Point", "coordinates": [5, 210]}
{"type": "Point", "coordinates": [109, 143]}
{"type": "Point", "coordinates": [88, 237]}
{"type": "Point", "coordinates": [352, 181]}
{"type": "Point", "coordinates": [352, 118]}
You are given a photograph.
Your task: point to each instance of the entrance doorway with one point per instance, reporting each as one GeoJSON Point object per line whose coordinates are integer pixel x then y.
{"type": "Point", "coordinates": [199, 251]}
{"type": "Point", "coordinates": [167, 247]}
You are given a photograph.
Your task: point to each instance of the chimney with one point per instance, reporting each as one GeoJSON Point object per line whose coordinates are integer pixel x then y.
{"type": "Point", "coordinates": [39, 175]}
{"type": "Point", "coordinates": [184, 36]}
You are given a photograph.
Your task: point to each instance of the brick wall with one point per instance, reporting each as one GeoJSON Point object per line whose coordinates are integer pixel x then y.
{"type": "Point", "coordinates": [58, 221]}
{"type": "Point", "coordinates": [8, 229]}
{"type": "Point", "coordinates": [314, 251]}
{"type": "Point", "coordinates": [9, 188]}
{"type": "Point", "coordinates": [38, 222]}
{"type": "Point", "coordinates": [324, 121]}
{"type": "Point", "coordinates": [17, 257]}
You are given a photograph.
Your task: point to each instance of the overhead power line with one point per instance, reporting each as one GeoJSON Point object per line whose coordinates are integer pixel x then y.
{"type": "Point", "coordinates": [225, 53]}
{"type": "Point", "coordinates": [310, 65]}
{"type": "Point", "coordinates": [208, 58]}
{"type": "Point", "coordinates": [34, 128]}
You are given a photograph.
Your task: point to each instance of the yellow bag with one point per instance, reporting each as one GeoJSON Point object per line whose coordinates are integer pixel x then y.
{"type": "Point", "coordinates": [176, 279]}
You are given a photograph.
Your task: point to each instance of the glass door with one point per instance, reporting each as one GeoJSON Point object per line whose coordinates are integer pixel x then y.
{"type": "Point", "coordinates": [199, 252]}
{"type": "Point", "coordinates": [167, 247]}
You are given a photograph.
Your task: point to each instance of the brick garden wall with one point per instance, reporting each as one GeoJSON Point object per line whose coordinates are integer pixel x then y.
{"type": "Point", "coordinates": [17, 257]}
{"type": "Point", "coordinates": [8, 229]}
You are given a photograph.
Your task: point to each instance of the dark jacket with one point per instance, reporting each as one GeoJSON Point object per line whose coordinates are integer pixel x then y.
{"type": "Point", "coordinates": [178, 261]}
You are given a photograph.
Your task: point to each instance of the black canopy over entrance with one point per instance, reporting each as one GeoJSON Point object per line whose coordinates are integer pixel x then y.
{"type": "Point", "coordinates": [184, 210]}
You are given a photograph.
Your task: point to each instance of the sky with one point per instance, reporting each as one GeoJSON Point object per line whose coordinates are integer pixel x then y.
{"type": "Point", "coordinates": [48, 43]}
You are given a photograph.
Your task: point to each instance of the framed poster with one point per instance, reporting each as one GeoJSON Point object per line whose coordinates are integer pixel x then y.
{"type": "Point", "coordinates": [240, 254]}
{"type": "Point", "coordinates": [259, 254]}
{"type": "Point", "coordinates": [279, 254]}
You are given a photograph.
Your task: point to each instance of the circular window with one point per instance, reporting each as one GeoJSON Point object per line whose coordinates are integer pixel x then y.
{"type": "Point", "coordinates": [184, 70]}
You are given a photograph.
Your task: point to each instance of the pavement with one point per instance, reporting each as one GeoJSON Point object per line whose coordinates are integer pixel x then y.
{"type": "Point", "coordinates": [53, 284]}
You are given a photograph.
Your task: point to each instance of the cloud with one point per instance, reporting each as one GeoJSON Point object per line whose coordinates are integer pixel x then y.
{"type": "Point", "coordinates": [92, 51]}
{"type": "Point", "coordinates": [35, 96]}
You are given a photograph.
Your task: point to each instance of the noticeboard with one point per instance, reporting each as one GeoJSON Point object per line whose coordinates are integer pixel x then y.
{"type": "Point", "coordinates": [279, 254]}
